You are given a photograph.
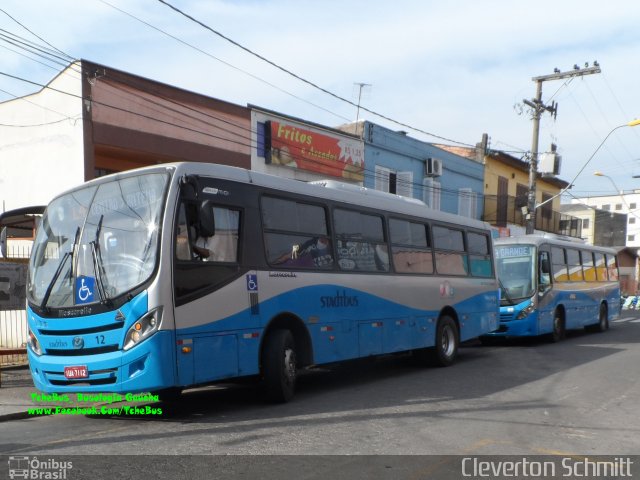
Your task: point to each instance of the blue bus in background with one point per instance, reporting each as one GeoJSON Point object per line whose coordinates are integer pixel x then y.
{"type": "Point", "coordinates": [168, 277]}
{"type": "Point", "coordinates": [550, 285]}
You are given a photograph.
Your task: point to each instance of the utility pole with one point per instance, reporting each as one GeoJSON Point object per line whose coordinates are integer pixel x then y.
{"type": "Point", "coordinates": [538, 109]}
{"type": "Point", "coordinates": [361, 86]}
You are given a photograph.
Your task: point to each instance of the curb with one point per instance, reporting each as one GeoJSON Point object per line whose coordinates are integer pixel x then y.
{"type": "Point", "coordinates": [8, 417]}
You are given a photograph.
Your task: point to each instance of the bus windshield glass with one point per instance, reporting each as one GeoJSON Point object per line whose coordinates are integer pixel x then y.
{"type": "Point", "coordinates": [516, 270]}
{"type": "Point", "coordinates": [98, 242]}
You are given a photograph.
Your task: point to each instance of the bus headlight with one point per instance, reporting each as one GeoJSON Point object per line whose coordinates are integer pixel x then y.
{"type": "Point", "coordinates": [143, 328]}
{"type": "Point", "coordinates": [34, 344]}
{"type": "Point", "coordinates": [526, 311]}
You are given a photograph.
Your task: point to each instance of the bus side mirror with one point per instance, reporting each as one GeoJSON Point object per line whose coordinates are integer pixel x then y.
{"type": "Point", "coordinates": [3, 242]}
{"type": "Point", "coordinates": [189, 187]}
{"type": "Point", "coordinates": [206, 219]}
{"type": "Point", "coordinates": [544, 266]}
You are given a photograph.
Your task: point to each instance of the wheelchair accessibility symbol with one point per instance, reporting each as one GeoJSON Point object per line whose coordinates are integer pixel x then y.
{"type": "Point", "coordinates": [84, 289]}
{"type": "Point", "coordinates": [252, 282]}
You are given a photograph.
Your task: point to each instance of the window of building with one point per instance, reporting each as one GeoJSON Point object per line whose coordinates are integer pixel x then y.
{"type": "Point", "coordinates": [431, 193]}
{"type": "Point", "coordinates": [585, 223]}
{"type": "Point", "coordinates": [547, 209]}
{"type": "Point", "coordinates": [632, 206]}
{"type": "Point", "coordinates": [618, 206]}
{"type": "Point", "coordinates": [631, 238]}
{"type": "Point", "coordinates": [467, 202]}
{"type": "Point", "coordinates": [391, 181]}
{"type": "Point", "coordinates": [606, 207]}
{"type": "Point", "coordinates": [632, 220]}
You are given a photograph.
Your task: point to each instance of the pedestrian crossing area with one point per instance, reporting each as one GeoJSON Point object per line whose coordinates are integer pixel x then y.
{"type": "Point", "coordinates": [627, 320]}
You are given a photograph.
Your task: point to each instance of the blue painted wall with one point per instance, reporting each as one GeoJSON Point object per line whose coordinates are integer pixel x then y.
{"type": "Point", "coordinates": [399, 152]}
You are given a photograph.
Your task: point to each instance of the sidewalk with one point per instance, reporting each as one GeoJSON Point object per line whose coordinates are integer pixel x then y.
{"type": "Point", "coordinates": [15, 393]}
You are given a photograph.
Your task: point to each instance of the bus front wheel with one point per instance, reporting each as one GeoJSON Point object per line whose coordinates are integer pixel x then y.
{"type": "Point", "coordinates": [279, 366]}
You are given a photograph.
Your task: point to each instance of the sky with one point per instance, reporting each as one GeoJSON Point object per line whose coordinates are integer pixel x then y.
{"type": "Point", "coordinates": [445, 72]}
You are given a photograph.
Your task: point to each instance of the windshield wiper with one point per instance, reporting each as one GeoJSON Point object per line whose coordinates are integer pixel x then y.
{"type": "Point", "coordinates": [97, 263]}
{"type": "Point", "coordinates": [54, 279]}
{"type": "Point", "coordinates": [506, 293]}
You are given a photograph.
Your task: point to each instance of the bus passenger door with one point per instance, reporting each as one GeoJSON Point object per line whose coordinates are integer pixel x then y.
{"type": "Point", "coordinates": [545, 293]}
{"type": "Point", "coordinates": [206, 252]}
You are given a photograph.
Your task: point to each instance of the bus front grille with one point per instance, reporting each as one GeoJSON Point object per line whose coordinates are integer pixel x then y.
{"type": "Point", "coordinates": [506, 317]}
{"type": "Point", "coordinates": [65, 352]}
{"type": "Point", "coordinates": [84, 382]}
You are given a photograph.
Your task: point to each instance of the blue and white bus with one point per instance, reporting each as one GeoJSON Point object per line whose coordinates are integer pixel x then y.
{"type": "Point", "coordinates": [550, 285]}
{"type": "Point", "coordinates": [185, 274]}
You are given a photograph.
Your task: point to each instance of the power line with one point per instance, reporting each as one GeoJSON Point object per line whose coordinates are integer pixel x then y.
{"type": "Point", "coordinates": [255, 77]}
{"type": "Point", "coordinates": [304, 80]}
{"type": "Point", "coordinates": [68, 57]}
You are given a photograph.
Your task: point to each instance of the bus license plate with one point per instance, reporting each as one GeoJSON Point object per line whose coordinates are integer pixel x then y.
{"type": "Point", "coordinates": [76, 372]}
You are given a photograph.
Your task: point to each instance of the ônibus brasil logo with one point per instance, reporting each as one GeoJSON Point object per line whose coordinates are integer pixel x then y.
{"type": "Point", "coordinates": [33, 467]}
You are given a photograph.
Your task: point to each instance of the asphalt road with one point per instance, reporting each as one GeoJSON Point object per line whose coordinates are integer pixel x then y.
{"type": "Point", "coordinates": [577, 397]}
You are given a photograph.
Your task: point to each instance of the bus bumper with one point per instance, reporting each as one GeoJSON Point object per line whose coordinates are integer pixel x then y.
{"type": "Point", "coordinates": [148, 366]}
{"type": "Point", "coordinates": [525, 327]}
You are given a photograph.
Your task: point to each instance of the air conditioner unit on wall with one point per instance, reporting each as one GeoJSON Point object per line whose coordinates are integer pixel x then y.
{"type": "Point", "coordinates": [434, 167]}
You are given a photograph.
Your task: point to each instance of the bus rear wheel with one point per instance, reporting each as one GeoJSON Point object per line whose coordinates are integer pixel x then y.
{"type": "Point", "coordinates": [558, 332]}
{"type": "Point", "coordinates": [603, 320]}
{"type": "Point", "coordinates": [447, 342]}
{"type": "Point", "coordinates": [279, 366]}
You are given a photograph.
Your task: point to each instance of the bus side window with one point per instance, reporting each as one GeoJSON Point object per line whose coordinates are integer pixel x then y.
{"type": "Point", "coordinates": [450, 255]}
{"type": "Point", "coordinates": [560, 272]}
{"type": "Point", "coordinates": [223, 244]}
{"type": "Point", "coordinates": [360, 241]}
{"type": "Point", "coordinates": [612, 267]}
{"type": "Point", "coordinates": [601, 267]}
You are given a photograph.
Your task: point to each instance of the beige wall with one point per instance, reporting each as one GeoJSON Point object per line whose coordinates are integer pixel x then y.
{"type": "Point", "coordinates": [495, 169]}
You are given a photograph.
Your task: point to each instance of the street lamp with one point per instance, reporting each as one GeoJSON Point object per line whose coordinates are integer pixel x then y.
{"type": "Point", "coordinates": [598, 173]}
{"type": "Point", "coordinates": [632, 123]}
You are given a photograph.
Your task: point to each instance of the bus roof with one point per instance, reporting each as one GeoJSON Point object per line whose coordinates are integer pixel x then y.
{"type": "Point", "coordinates": [325, 189]}
{"type": "Point", "coordinates": [539, 239]}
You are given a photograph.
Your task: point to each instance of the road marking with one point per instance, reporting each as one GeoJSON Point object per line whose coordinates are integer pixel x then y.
{"type": "Point", "coordinates": [626, 319]}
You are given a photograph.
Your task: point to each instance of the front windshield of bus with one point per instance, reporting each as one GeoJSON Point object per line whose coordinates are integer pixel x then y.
{"type": "Point", "coordinates": [516, 271]}
{"type": "Point", "coordinates": [97, 243]}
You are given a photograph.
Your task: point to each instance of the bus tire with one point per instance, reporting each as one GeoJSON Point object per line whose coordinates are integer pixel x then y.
{"type": "Point", "coordinates": [279, 366]}
{"type": "Point", "coordinates": [447, 342]}
{"type": "Point", "coordinates": [558, 332]}
{"type": "Point", "coordinates": [603, 320]}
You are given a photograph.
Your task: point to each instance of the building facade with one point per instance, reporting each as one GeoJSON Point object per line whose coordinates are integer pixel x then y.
{"type": "Point", "coordinates": [91, 120]}
{"type": "Point", "coordinates": [506, 190]}
{"type": "Point", "coordinates": [627, 204]}
{"type": "Point", "coordinates": [400, 164]}
{"type": "Point", "coordinates": [599, 227]}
